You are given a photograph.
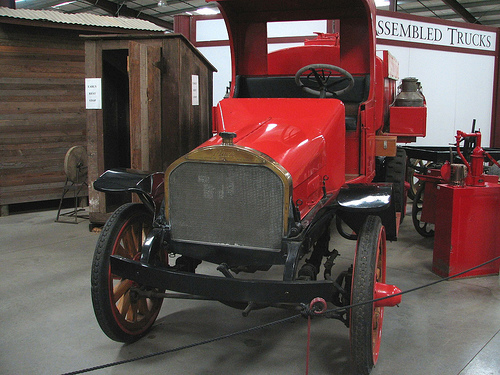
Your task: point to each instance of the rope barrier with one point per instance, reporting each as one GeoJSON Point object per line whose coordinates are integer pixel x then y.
{"type": "Point", "coordinates": [308, 311]}
{"type": "Point", "coordinates": [340, 309]}
{"type": "Point", "coordinates": [308, 343]}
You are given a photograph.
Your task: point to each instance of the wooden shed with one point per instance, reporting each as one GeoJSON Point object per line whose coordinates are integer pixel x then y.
{"type": "Point", "coordinates": [42, 106]}
{"type": "Point", "coordinates": [156, 106]}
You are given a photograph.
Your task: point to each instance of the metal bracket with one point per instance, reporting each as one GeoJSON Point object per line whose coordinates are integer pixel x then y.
{"type": "Point", "coordinates": [292, 260]}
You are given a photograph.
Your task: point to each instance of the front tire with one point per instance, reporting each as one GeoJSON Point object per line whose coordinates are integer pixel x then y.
{"type": "Point", "coordinates": [122, 316]}
{"type": "Point", "coordinates": [366, 320]}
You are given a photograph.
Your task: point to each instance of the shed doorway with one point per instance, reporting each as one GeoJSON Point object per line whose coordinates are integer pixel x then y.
{"type": "Point", "coordinates": [116, 118]}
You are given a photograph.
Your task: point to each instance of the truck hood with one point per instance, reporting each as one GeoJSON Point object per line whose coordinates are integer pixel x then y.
{"type": "Point", "coordinates": [296, 133]}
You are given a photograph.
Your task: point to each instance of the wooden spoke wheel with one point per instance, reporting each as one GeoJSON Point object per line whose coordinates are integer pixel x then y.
{"type": "Point", "coordinates": [365, 326]}
{"type": "Point", "coordinates": [75, 164]}
{"type": "Point", "coordinates": [122, 315]}
{"type": "Point", "coordinates": [423, 228]}
{"type": "Point", "coordinates": [415, 165]}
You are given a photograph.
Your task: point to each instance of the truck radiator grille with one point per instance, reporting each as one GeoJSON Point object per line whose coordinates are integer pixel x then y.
{"type": "Point", "coordinates": [226, 204]}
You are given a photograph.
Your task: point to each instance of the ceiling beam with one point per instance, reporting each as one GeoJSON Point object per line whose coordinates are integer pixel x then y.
{"type": "Point", "coordinates": [122, 10]}
{"type": "Point", "coordinates": [8, 3]}
{"type": "Point", "coordinates": [460, 10]}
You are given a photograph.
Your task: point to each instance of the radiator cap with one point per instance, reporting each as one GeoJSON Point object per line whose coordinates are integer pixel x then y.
{"type": "Point", "coordinates": [227, 137]}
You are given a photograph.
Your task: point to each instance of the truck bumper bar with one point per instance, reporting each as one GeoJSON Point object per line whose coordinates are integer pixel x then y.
{"type": "Point", "coordinates": [221, 288]}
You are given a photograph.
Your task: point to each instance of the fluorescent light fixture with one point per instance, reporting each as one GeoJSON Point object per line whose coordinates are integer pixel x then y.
{"type": "Point", "coordinates": [381, 3]}
{"type": "Point", "coordinates": [206, 11]}
{"type": "Point", "coordinates": [63, 4]}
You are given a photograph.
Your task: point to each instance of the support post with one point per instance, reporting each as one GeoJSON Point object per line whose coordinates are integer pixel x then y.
{"type": "Point", "coordinates": [393, 5]}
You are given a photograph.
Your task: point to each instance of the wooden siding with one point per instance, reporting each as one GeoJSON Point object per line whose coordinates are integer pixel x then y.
{"type": "Point", "coordinates": [42, 110]}
{"type": "Point", "coordinates": [163, 122]}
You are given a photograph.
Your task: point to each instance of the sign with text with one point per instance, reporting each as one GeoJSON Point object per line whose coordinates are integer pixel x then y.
{"type": "Point", "coordinates": [389, 28]}
{"type": "Point", "coordinates": [195, 89]}
{"type": "Point", "coordinates": [93, 93]}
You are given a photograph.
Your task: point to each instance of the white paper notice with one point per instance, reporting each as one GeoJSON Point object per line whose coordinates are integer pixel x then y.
{"type": "Point", "coordinates": [93, 93]}
{"type": "Point", "coordinates": [195, 89]}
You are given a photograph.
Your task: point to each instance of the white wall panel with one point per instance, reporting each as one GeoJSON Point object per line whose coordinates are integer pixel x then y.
{"type": "Point", "coordinates": [220, 57]}
{"type": "Point", "coordinates": [295, 28]}
{"type": "Point", "coordinates": [277, 46]}
{"type": "Point", "coordinates": [458, 88]}
{"type": "Point", "coordinates": [209, 30]}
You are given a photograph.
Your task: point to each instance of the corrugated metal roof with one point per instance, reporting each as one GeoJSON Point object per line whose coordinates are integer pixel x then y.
{"type": "Point", "coordinates": [84, 19]}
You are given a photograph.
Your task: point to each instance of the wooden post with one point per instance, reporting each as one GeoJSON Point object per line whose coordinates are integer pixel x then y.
{"type": "Point", "coordinates": [393, 5]}
{"type": "Point", "coordinates": [95, 148]}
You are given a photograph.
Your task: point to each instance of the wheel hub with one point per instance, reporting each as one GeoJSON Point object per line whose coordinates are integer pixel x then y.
{"type": "Point", "coordinates": [386, 291]}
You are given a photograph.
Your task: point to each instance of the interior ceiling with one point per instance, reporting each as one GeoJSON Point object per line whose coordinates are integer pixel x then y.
{"type": "Point", "coordinates": [485, 12]}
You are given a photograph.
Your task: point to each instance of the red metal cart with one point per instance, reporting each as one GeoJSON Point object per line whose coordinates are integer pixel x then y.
{"type": "Point", "coordinates": [459, 205]}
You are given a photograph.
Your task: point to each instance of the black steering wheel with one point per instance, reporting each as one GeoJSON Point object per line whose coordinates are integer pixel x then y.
{"type": "Point", "coordinates": [316, 80]}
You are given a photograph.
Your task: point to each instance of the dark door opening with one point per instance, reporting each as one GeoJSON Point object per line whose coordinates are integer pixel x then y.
{"type": "Point", "coordinates": [116, 118]}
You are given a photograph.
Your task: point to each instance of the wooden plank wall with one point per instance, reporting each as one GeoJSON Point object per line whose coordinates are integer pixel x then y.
{"type": "Point", "coordinates": [42, 110]}
{"type": "Point", "coordinates": [185, 126]}
{"type": "Point", "coordinates": [145, 107]}
{"type": "Point", "coordinates": [164, 123]}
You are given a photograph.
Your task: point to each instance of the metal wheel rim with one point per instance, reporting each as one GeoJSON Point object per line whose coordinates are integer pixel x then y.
{"type": "Point", "coordinates": [423, 228]}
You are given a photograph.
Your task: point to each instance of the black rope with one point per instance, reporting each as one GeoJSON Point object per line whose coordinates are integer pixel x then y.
{"type": "Point", "coordinates": [339, 309]}
{"type": "Point", "coordinates": [305, 312]}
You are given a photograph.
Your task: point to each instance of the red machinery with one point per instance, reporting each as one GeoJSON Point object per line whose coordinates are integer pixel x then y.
{"type": "Point", "coordinates": [463, 203]}
{"type": "Point", "coordinates": [301, 139]}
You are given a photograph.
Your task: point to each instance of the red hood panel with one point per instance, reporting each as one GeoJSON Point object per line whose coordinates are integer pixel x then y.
{"type": "Point", "coordinates": [297, 133]}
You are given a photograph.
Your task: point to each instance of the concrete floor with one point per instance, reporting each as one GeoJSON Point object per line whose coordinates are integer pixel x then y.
{"type": "Point", "coordinates": [47, 324]}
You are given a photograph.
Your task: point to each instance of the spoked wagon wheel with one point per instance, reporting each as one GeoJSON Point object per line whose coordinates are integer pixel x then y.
{"type": "Point", "coordinates": [122, 316]}
{"type": "Point", "coordinates": [419, 166]}
{"type": "Point", "coordinates": [365, 326]}
{"type": "Point", "coordinates": [423, 228]}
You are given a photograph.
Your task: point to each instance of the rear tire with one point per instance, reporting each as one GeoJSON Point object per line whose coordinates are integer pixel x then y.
{"type": "Point", "coordinates": [366, 320]}
{"type": "Point", "coordinates": [395, 172]}
{"type": "Point", "coordinates": [121, 316]}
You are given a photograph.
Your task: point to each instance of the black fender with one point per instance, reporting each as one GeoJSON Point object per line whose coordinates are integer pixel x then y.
{"type": "Point", "coordinates": [356, 201]}
{"type": "Point", "coordinates": [148, 186]}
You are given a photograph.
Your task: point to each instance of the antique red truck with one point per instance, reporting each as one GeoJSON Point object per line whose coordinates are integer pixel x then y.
{"type": "Point", "coordinates": [300, 140]}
